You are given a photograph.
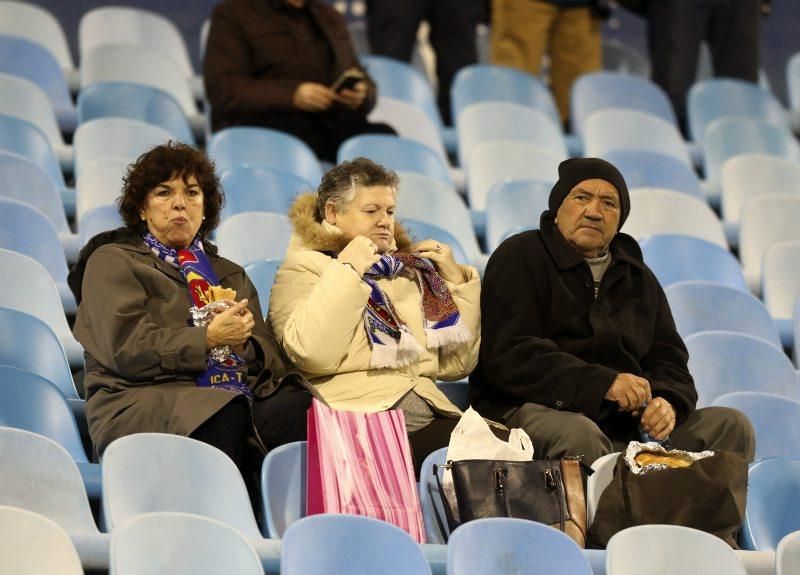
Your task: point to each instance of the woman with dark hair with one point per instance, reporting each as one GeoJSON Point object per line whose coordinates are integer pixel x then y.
{"type": "Point", "coordinates": [174, 339]}
{"type": "Point", "coordinates": [372, 319]}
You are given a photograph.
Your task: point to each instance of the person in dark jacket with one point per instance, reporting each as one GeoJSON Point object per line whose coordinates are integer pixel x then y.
{"type": "Point", "coordinates": [578, 342]}
{"type": "Point", "coordinates": [272, 63]}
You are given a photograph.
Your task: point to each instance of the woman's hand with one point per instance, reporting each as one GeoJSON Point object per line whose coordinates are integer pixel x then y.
{"type": "Point", "coordinates": [231, 327]}
{"type": "Point", "coordinates": [442, 257]}
{"type": "Point", "coordinates": [361, 253]}
{"type": "Point", "coordinates": [313, 97]}
{"type": "Point", "coordinates": [353, 98]}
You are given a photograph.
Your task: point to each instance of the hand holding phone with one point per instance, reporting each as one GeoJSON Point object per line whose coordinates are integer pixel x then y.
{"type": "Point", "coordinates": [348, 80]}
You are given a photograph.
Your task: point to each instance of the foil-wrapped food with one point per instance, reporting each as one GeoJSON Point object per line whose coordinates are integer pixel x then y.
{"type": "Point", "coordinates": [642, 458]}
{"type": "Point", "coordinates": [218, 298]}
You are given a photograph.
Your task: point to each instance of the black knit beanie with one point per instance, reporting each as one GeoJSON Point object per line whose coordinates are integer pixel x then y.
{"type": "Point", "coordinates": [574, 171]}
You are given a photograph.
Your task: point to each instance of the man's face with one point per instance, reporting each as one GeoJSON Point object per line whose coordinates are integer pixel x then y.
{"type": "Point", "coordinates": [589, 216]}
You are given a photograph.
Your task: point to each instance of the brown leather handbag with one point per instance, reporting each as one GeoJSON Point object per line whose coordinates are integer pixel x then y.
{"type": "Point", "coordinates": [549, 492]}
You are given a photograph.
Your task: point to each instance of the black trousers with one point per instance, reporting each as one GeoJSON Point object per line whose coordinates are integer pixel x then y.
{"type": "Point", "coordinates": [676, 28]}
{"type": "Point", "coordinates": [392, 31]}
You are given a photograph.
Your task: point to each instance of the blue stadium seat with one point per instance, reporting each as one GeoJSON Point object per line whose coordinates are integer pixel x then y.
{"type": "Point", "coordinates": [717, 98]}
{"type": "Point", "coordinates": [481, 83]}
{"type": "Point", "coordinates": [26, 140]}
{"type": "Point", "coordinates": [486, 122]}
{"type": "Point", "coordinates": [776, 421]}
{"type": "Point", "coordinates": [395, 153]}
{"type": "Point", "coordinates": [136, 102]}
{"type": "Point", "coordinates": [99, 184]}
{"type": "Point", "coordinates": [787, 555]}
{"type": "Point", "coordinates": [28, 231]}
{"type": "Point", "coordinates": [251, 237]}
{"type": "Point", "coordinates": [513, 204]}
{"type": "Point", "coordinates": [180, 544]}
{"type": "Point", "coordinates": [419, 231]}
{"type": "Point", "coordinates": [434, 517]}
{"type": "Point", "coordinates": [502, 545]}
{"type": "Point", "coordinates": [147, 472]}
{"type": "Point", "coordinates": [773, 503]}
{"type": "Point", "coordinates": [28, 287]}
{"type": "Point", "coordinates": [264, 148]}
{"type": "Point", "coordinates": [456, 391]}
{"type": "Point", "coordinates": [351, 544]}
{"type": "Point", "coordinates": [612, 129]}
{"type": "Point", "coordinates": [260, 190]}
{"type": "Point", "coordinates": [793, 81]}
{"type": "Point", "coordinates": [724, 362]}
{"type": "Point", "coordinates": [602, 90]}
{"type": "Point", "coordinates": [670, 549]}
{"type": "Point", "coordinates": [781, 285]}
{"type": "Point", "coordinates": [707, 306]}
{"type": "Point", "coordinates": [645, 169]}
{"type": "Point", "coordinates": [283, 488]}
{"type": "Point", "coordinates": [28, 343]}
{"type": "Point", "coordinates": [262, 274]}
{"type": "Point", "coordinates": [655, 211]}
{"type": "Point", "coordinates": [31, 543]}
{"type": "Point", "coordinates": [767, 220]}
{"type": "Point", "coordinates": [409, 122]}
{"type": "Point", "coordinates": [678, 258]}
{"type": "Point", "coordinates": [30, 60]}
{"type": "Point", "coordinates": [115, 139]}
{"type": "Point", "coordinates": [97, 220]}
{"type": "Point", "coordinates": [25, 181]}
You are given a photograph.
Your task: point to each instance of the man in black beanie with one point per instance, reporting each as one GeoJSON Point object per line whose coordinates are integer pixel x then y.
{"type": "Point", "coordinates": [578, 345]}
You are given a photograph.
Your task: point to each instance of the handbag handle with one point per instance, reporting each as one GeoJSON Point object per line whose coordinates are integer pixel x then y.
{"type": "Point", "coordinates": [451, 521]}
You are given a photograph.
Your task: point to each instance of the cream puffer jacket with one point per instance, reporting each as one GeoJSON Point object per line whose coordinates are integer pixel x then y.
{"type": "Point", "coordinates": [316, 309]}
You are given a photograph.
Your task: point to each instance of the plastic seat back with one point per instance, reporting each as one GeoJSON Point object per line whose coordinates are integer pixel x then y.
{"type": "Point", "coordinates": [28, 343]}
{"type": "Point", "coordinates": [283, 488]}
{"type": "Point", "coordinates": [767, 220]}
{"type": "Point", "coordinates": [31, 544]}
{"type": "Point", "coordinates": [513, 204]}
{"type": "Point", "coordinates": [260, 190]}
{"type": "Point", "coordinates": [613, 129]}
{"type": "Point", "coordinates": [645, 169]}
{"type": "Point", "coordinates": [25, 181]}
{"type": "Point", "coordinates": [264, 148]}
{"type": "Point", "coordinates": [262, 274]}
{"type": "Point", "coordinates": [353, 544]}
{"type": "Point", "coordinates": [750, 175]}
{"type": "Point", "coordinates": [97, 220]}
{"type": "Point", "coordinates": [27, 101]}
{"type": "Point", "coordinates": [434, 517]}
{"type": "Point", "coordinates": [776, 421]}
{"type": "Point", "coordinates": [781, 278]}
{"type": "Point", "coordinates": [395, 153]}
{"type": "Point", "coordinates": [115, 139]}
{"type": "Point", "coordinates": [501, 545]}
{"type": "Point", "coordinates": [99, 184]}
{"type": "Point", "coordinates": [670, 549]}
{"type": "Point", "coordinates": [180, 544]}
{"type": "Point", "coordinates": [486, 122]}
{"type": "Point", "coordinates": [793, 81]}
{"type": "Point", "coordinates": [602, 90]}
{"type": "Point", "coordinates": [251, 237]}
{"type": "Point", "coordinates": [38, 25]}
{"type": "Point", "coordinates": [410, 122]}
{"type": "Point", "coordinates": [708, 306]}
{"type": "Point", "coordinates": [482, 82]}
{"type": "Point", "coordinates": [30, 402]}
{"type": "Point", "coordinates": [128, 25]}
{"type": "Point", "coordinates": [678, 258]}
{"type": "Point", "coordinates": [717, 98]}
{"type": "Point", "coordinates": [773, 503]}
{"type": "Point", "coordinates": [40, 475]}
{"type": "Point", "coordinates": [787, 556]}
{"type": "Point", "coordinates": [136, 102]}
{"type": "Point", "coordinates": [457, 392]}
{"type": "Point", "coordinates": [655, 211]}
{"type": "Point", "coordinates": [24, 139]}
{"type": "Point", "coordinates": [725, 362]}
{"type": "Point", "coordinates": [426, 231]}
{"type": "Point", "coordinates": [147, 472]}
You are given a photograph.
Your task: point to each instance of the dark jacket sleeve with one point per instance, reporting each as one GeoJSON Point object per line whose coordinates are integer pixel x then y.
{"type": "Point", "coordinates": [665, 364]}
{"type": "Point", "coordinates": [515, 356]}
{"type": "Point", "coordinates": [231, 85]}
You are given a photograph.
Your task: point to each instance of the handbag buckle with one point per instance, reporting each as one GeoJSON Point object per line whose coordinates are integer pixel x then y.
{"type": "Point", "coordinates": [500, 479]}
{"type": "Point", "coordinates": [549, 479]}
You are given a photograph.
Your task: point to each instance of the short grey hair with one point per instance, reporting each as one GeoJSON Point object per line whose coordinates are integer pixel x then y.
{"type": "Point", "coordinates": [340, 184]}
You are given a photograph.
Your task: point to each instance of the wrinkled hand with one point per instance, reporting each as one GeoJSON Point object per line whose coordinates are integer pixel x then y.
{"type": "Point", "coordinates": [658, 418]}
{"type": "Point", "coordinates": [231, 327]}
{"type": "Point", "coordinates": [361, 253]}
{"type": "Point", "coordinates": [313, 97]}
{"type": "Point", "coordinates": [629, 391]}
{"type": "Point", "coordinates": [353, 98]}
{"type": "Point", "coordinates": [442, 257]}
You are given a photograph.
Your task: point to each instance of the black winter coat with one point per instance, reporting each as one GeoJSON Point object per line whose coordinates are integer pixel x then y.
{"type": "Point", "coordinates": [547, 340]}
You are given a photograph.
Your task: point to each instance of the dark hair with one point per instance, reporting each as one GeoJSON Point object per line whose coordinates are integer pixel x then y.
{"type": "Point", "coordinates": [340, 183]}
{"type": "Point", "coordinates": [160, 164]}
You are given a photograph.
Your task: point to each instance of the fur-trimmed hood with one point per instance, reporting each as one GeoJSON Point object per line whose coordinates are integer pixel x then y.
{"type": "Point", "coordinates": [309, 234]}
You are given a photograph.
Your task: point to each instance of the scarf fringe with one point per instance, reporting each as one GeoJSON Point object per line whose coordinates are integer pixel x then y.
{"type": "Point", "coordinates": [447, 338]}
{"type": "Point", "coordinates": [404, 352]}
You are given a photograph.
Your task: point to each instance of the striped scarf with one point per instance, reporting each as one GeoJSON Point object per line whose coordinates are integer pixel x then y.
{"type": "Point", "coordinates": [224, 369]}
{"type": "Point", "coordinates": [392, 343]}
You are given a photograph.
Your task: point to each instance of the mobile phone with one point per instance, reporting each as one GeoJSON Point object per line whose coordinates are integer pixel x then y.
{"type": "Point", "coordinates": [348, 80]}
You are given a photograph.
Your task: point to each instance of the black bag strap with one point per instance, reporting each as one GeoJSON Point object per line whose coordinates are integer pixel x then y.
{"type": "Point", "coordinates": [451, 521]}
